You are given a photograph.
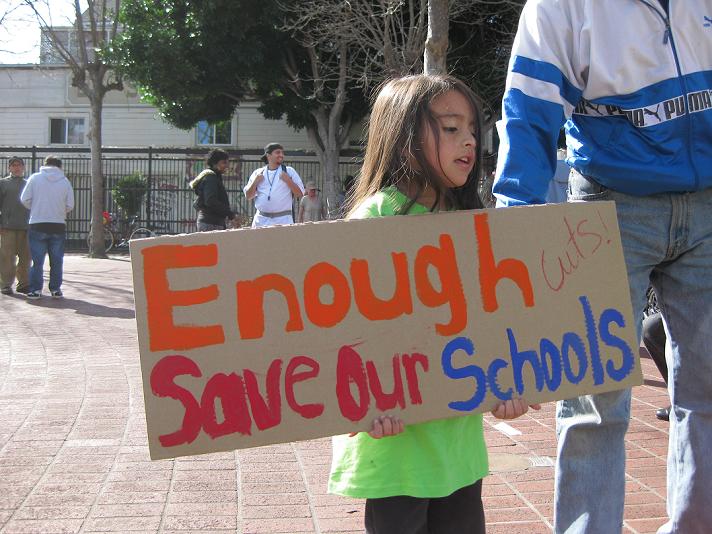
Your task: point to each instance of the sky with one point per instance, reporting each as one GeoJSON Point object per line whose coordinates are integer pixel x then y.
{"type": "Point", "coordinates": [20, 31]}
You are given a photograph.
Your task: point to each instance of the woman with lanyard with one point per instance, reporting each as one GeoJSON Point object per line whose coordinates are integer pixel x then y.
{"type": "Point", "coordinates": [273, 188]}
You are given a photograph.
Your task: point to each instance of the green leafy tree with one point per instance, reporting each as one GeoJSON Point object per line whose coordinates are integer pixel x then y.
{"type": "Point", "coordinates": [197, 60]}
{"type": "Point", "coordinates": [192, 65]}
{"type": "Point", "coordinates": [128, 193]}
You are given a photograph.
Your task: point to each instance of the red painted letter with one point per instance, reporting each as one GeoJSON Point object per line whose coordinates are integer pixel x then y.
{"type": "Point", "coordinates": [231, 391]}
{"type": "Point", "coordinates": [411, 374]}
{"type": "Point", "coordinates": [162, 385]}
{"type": "Point", "coordinates": [386, 401]}
{"type": "Point", "coordinates": [291, 377]}
{"type": "Point", "coordinates": [349, 369]}
{"type": "Point", "coordinates": [265, 413]}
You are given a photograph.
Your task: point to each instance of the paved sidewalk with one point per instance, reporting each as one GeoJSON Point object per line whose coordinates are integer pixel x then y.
{"type": "Point", "coordinates": [74, 458]}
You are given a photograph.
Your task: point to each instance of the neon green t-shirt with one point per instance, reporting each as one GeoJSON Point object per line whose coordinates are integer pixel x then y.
{"type": "Point", "coordinates": [431, 459]}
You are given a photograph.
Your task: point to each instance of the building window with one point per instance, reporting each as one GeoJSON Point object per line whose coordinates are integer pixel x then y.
{"type": "Point", "coordinates": [66, 131]}
{"type": "Point", "coordinates": [219, 133]}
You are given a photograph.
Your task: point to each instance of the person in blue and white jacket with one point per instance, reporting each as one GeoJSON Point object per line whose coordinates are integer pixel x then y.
{"type": "Point", "coordinates": [631, 80]}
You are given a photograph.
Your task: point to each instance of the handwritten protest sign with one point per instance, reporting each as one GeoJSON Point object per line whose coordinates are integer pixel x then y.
{"type": "Point", "coordinates": [251, 337]}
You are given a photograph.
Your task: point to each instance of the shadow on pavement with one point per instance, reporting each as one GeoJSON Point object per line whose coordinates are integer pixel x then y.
{"type": "Point", "coordinates": [655, 383]}
{"type": "Point", "coordinates": [84, 307]}
{"type": "Point", "coordinates": [102, 287]}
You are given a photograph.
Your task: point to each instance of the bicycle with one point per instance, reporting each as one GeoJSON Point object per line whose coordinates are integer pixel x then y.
{"type": "Point", "coordinates": [108, 224]}
{"type": "Point", "coordinates": [116, 230]}
{"type": "Point", "coordinates": [135, 231]}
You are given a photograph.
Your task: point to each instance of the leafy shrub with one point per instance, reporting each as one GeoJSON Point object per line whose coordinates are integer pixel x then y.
{"type": "Point", "coordinates": [129, 192]}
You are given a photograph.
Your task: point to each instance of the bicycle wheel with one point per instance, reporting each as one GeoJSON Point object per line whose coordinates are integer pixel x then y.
{"type": "Point", "coordinates": [108, 240]}
{"type": "Point", "coordinates": [141, 233]}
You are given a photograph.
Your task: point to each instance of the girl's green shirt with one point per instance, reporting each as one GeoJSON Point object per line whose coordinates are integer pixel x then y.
{"type": "Point", "coordinates": [432, 459]}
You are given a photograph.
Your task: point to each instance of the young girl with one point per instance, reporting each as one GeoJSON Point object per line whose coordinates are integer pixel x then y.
{"type": "Point", "coordinates": [423, 154]}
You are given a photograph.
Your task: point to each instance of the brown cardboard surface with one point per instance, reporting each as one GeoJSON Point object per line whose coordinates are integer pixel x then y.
{"type": "Point", "coordinates": [250, 337]}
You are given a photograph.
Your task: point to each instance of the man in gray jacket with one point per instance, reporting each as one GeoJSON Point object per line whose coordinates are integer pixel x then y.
{"type": "Point", "coordinates": [49, 197]}
{"type": "Point", "coordinates": [14, 247]}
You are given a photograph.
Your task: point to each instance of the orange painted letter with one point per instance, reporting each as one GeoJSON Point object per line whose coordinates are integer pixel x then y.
{"type": "Point", "coordinates": [250, 304]}
{"type": "Point", "coordinates": [491, 273]}
{"type": "Point", "coordinates": [373, 307]}
{"type": "Point", "coordinates": [450, 292]}
{"type": "Point", "coordinates": [326, 315]}
{"type": "Point", "coordinates": [163, 334]}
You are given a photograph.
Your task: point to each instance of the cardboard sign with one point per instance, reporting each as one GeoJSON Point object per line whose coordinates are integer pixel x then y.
{"type": "Point", "coordinates": [251, 337]}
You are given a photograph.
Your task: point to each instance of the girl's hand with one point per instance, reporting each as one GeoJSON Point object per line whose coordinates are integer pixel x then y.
{"type": "Point", "coordinates": [383, 426]}
{"type": "Point", "coordinates": [513, 408]}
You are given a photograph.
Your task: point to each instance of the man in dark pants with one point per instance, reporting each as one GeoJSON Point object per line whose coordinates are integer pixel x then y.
{"type": "Point", "coordinates": [212, 203]}
{"type": "Point", "coordinates": [14, 246]}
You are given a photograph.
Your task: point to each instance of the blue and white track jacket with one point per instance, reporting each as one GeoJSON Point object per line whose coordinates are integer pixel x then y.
{"type": "Point", "coordinates": [633, 86]}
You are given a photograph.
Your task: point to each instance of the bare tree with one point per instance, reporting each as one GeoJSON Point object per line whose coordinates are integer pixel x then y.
{"type": "Point", "coordinates": [435, 60]}
{"type": "Point", "coordinates": [359, 43]}
{"type": "Point", "coordinates": [81, 49]}
{"type": "Point", "coordinates": [7, 18]}
{"type": "Point", "coordinates": [331, 62]}
{"type": "Point", "coordinates": [349, 44]}
{"type": "Point", "coordinates": [481, 38]}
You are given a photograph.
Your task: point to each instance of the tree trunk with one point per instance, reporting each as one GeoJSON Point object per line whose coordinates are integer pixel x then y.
{"type": "Point", "coordinates": [328, 154]}
{"type": "Point", "coordinates": [435, 60]}
{"type": "Point", "coordinates": [96, 247]}
{"type": "Point", "coordinates": [332, 184]}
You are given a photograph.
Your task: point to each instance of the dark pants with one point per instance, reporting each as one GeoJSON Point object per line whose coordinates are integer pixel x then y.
{"type": "Point", "coordinates": [459, 513]}
{"type": "Point", "coordinates": [654, 341]}
{"type": "Point", "coordinates": [207, 227]}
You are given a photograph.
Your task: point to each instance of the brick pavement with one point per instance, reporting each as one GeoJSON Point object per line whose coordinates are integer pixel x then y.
{"type": "Point", "coordinates": [74, 458]}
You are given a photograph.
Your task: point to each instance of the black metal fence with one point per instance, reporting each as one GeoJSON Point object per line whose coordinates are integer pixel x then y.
{"type": "Point", "coordinates": [168, 204]}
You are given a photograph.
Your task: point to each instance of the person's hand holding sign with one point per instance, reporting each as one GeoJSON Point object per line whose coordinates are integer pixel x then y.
{"type": "Point", "coordinates": [383, 426]}
{"type": "Point", "coordinates": [513, 408]}
{"type": "Point", "coordinates": [390, 425]}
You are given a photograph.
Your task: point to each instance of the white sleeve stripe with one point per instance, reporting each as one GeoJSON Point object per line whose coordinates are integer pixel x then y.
{"type": "Point", "coordinates": [539, 89]}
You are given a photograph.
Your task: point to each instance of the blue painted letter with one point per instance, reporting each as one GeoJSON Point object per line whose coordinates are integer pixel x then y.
{"type": "Point", "coordinates": [469, 371]}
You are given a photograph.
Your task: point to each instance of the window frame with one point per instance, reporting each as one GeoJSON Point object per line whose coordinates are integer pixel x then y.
{"type": "Point", "coordinates": [66, 121]}
{"type": "Point", "coordinates": [213, 133]}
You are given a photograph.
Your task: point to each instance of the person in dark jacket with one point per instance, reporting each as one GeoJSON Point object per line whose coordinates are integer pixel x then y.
{"type": "Point", "coordinates": [212, 203]}
{"type": "Point", "coordinates": [14, 246]}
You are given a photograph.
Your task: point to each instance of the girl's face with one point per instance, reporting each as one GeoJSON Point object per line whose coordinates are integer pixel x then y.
{"type": "Point", "coordinates": [453, 156]}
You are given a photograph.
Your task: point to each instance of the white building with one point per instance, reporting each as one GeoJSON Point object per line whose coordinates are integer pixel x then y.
{"type": "Point", "coordinates": [39, 106]}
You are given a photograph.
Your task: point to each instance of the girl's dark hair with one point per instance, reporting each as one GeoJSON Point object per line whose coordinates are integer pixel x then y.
{"type": "Point", "coordinates": [395, 137]}
{"type": "Point", "coordinates": [216, 155]}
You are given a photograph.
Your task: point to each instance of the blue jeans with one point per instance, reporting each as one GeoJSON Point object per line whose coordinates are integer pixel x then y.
{"type": "Point", "coordinates": [42, 244]}
{"type": "Point", "coordinates": [667, 240]}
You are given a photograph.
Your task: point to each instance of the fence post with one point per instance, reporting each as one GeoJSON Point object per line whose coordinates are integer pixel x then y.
{"type": "Point", "coordinates": [34, 157]}
{"type": "Point", "coordinates": [150, 185]}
